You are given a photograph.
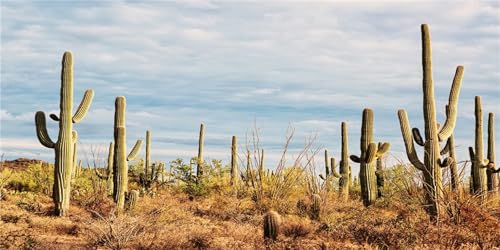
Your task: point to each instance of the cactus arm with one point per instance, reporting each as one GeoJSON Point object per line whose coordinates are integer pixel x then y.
{"type": "Point", "coordinates": [355, 158]}
{"type": "Point", "coordinates": [383, 148]}
{"type": "Point", "coordinates": [491, 138]}
{"type": "Point", "coordinates": [417, 137]}
{"type": "Point", "coordinates": [446, 148]}
{"type": "Point", "coordinates": [327, 170]}
{"type": "Point", "coordinates": [41, 130]}
{"type": "Point", "coordinates": [84, 106]}
{"type": "Point", "coordinates": [135, 150]}
{"type": "Point", "coordinates": [371, 153]}
{"type": "Point", "coordinates": [54, 117]}
{"type": "Point", "coordinates": [472, 155]}
{"type": "Point", "coordinates": [451, 116]}
{"type": "Point", "coordinates": [408, 140]}
{"type": "Point", "coordinates": [334, 172]}
{"type": "Point", "coordinates": [446, 162]}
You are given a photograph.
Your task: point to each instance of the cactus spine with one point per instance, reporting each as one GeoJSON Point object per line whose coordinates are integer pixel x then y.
{"type": "Point", "coordinates": [234, 161]}
{"type": "Point", "coordinates": [344, 168]}
{"type": "Point", "coordinates": [272, 221]}
{"type": "Point", "coordinates": [431, 167]}
{"type": "Point", "coordinates": [120, 161]}
{"type": "Point", "coordinates": [109, 169]}
{"type": "Point", "coordinates": [64, 146]}
{"type": "Point", "coordinates": [369, 153]}
{"type": "Point", "coordinates": [199, 163]}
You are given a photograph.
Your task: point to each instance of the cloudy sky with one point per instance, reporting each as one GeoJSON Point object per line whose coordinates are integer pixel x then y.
{"type": "Point", "coordinates": [228, 64]}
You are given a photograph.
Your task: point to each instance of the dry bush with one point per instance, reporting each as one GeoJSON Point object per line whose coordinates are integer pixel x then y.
{"type": "Point", "coordinates": [296, 228]}
{"type": "Point", "coordinates": [117, 232]}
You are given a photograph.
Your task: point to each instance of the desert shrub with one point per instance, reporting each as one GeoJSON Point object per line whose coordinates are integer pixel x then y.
{"type": "Point", "coordinates": [37, 178]}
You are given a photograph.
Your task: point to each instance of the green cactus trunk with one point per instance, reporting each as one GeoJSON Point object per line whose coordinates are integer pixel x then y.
{"type": "Point", "coordinates": [454, 177]}
{"type": "Point", "coordinates": [120, 161]}
{"type": "Point", "coordinates": [64, 146]}
{"type": "Point", "coordinates": [234, 162]}
{"type": "Point", "coordinates": [492, 174]}
{"type": "Point", "coordinates": [479, 164]}
{"type": "Point", "coordinates": [380, 174]}
{"type": "Point", "coordinates": [367, 176]}
{"type": "Point", "coordinates": [199, 163]}
{"type": "Point", "coordinates": [344, 170]}
{"type": "Point", "coordinates": [147, 164]}
{"type": "Point", "coordinates": [432, 164]}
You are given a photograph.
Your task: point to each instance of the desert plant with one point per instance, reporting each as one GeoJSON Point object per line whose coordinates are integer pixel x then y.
{"type": "Point", "coordinates": [454, 175]}
{"type": "Point", "coordinates": [369, 153]}
{"type": "Point", "coordinates": [432, 164]}
{"type": "Point", "coordinates": [315, 206]}
{"type": "Point", "coordinates": [199, 160]}
{"type": "Point", "coordinates": [271, 224]}
{"type": "Point", "coordinates": [344, 167]}
{"type": "Point", "coordinates": [120, 161]}
{"type": "Point", "coordinates": [132, 199]}
{"type": "Point", "coordinates": [380, 174]}
{"type": "Point", "coordinates": [234, 162]}
{"type": "Point", "coordinates": [151, 171]}
{"type": "Point", "coordinates": [483, 170]}
{"type": "Point", "coordinates": [64, 146]}
{"type": "Point", "coordinates": [108, 176]}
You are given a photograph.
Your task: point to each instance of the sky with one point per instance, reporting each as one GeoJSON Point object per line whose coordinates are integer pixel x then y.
{"type": "Point", "coordinates": [233, 64]}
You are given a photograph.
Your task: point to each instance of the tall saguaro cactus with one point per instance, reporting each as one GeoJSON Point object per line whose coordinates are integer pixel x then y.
{"type": "Point", "coordinates": [234, 162]}
{"type": "Point", "coordinates": [199, 163]}
{"type": "Point", "coordinates": [64, 146]}
{"type": "Point", "coordinates": [380, 174]}
{"type": "Point", "coordinates": [483, 170]}
{"type": "Point", "coordinates": [370, 151]}
{"type": "Point", "coordinates": [450, 150]}
{"type": "Point", "coordinates": [120, 161]}
{"type": "Point", "coordinates": [491, 172]}
{"type": "Point", "coordinates": [148, 153]}
{"type": "Point", "coordinates": [431, 166]}
{"type": "Point", "coordinates": [344, 168]}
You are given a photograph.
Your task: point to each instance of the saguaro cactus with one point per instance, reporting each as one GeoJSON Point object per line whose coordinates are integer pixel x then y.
{"type": "Point", "coordinates": [450, 150]}
{"type": "Point", "coordinates": [380, 174]}
{"type": "Point", "coordinates": [234, 162]}
{"type": "Point", "coordinates": [108, 176]}
{"type": "Point", "coordinates": [151, 171]}
{"type": "Point", "coordinates": [370, 151]}
{"type": "Point", "coordinates": [431, 167]}
{"type": "Point", "coordinates": [344, 169]}
{"type": "Point", "coordinates": [491, 172]}
{"type": "Point", "coordinates": [483, 170]}
{"type": "Point", "coordinates": [272, 221]}
{"type": "Point", "coordinates": [148, 152]}
{"type": "Point", "coordinates": [132, 200]}
{"type": "Point", "coordinates": [120, 161]}
{"type": "Point", "coordinates": [199, 163]}
{"type": "Point", "coordinates": [64, 146]}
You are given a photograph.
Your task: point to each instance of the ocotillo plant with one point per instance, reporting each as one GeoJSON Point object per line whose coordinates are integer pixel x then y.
{"type": "Point", "coordinates": [63, 147]}
{"type": "Point", "coordinates": [120, 161]}
{"type": "Point", "coordinates": [380, 174]}
{"type": "Point", "coordinates": [199, 163]}
{"type": "Point", "coordinates": [272, 221]}
{"type": "Point", "coordinates": [491, 172]}
{"type": "Point", "coordinates": [431, 166]}
{"type": "Point", "coordinates": [480, 165]}
{"type": "Point", "coordinates": [370, 151]}
{"type": "Point", "coordinates": [108, 176]}
{"type": "Point", "coordinates": [234, 162]}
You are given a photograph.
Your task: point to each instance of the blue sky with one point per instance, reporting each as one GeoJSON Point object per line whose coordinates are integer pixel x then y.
{"type": "Point", "coordinates": [227, 64]}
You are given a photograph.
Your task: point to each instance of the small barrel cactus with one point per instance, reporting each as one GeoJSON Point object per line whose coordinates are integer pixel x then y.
{"type": "Point", "coordinates": [315, 206]}
{"type": "Point", "coordinates": [132, 199]}
{"type": "Point", "coordinates": [272, 221]}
